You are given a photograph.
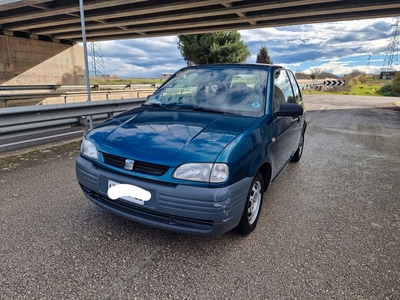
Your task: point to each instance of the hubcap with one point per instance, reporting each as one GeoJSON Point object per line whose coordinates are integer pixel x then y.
{"type": "Point", "coordinates": [301, 145]}
{"type": "Point", "coordinates": [254, 202]}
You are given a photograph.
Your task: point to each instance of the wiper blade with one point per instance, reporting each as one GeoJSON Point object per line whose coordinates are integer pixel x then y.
{"type": "Point", "coordinates": [175, 106]}
{"type": "Point", "coordinates": [209, 110]}
{"type": "Point", "coordinates": [155, 105]}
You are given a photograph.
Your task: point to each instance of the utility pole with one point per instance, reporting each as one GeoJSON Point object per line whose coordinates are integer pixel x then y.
{"type": "Point", "coordinates": [82, 15]}
{"type": "Point", "coordinates": [391, 59]}
{"type": "Point", "coordinates": [96, 63]}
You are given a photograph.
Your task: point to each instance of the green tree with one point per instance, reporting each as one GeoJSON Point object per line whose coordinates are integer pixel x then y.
{"type": "Point", "coordinates": [396, 83]}
{"type": "Point", "coordinates": [263, 56]}
{"type": "Point", "coordinates": [315, 72]}
{"type": "Point", "coordinates": [212, 48]}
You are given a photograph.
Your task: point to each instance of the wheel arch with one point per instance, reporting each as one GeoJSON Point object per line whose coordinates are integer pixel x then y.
{"type": "Point", "coordinates": [266, 172]}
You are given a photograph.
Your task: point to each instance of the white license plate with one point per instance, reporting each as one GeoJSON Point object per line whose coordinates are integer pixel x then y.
{"type": "Point", "coordinates": [126, 198]}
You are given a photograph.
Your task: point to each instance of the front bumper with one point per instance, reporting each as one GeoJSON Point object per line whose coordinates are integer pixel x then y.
{"type": "Point", "coordinates": [179, 208]}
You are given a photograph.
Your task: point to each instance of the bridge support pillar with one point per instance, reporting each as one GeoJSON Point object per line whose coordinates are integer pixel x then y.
{"type": "Point", "coordinates": [27, 61]}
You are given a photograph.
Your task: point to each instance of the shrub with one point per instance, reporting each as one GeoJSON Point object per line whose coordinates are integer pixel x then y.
{"type": "Point", "coordinates": [387, 90]}
{"type": "Point", "coordinates": [362, 79]}
{"type": "Point", "coordinates": [396, 83]}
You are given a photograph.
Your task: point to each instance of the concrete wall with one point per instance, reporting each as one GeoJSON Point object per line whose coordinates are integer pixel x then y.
{"type": "Point", "coordinates": [27, 61]}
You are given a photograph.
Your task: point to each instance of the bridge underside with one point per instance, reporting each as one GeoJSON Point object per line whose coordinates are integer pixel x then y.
{"type": "Point", "coordinates": [59, 21]}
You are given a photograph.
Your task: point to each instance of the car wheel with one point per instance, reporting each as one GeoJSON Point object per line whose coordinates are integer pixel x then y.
{"type": "Point", "coordinates": [252, 207]}
{"type": "Point", "coordinates": [299, 152]}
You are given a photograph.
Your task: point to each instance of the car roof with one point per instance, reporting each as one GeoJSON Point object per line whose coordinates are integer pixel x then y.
{"type": "Point", "coordinates": [242, 65]}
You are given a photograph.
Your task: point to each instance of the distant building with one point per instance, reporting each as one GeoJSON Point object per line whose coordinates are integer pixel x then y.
{"type": "Point", "coordinates": [109, 76]}
{"type": "Point", "coordinates": [387, 75]}
{"type": "Point", "coordinates": [166, 75]}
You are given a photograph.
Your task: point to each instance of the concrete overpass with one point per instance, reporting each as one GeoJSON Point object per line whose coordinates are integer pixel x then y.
{"type": "Point", "coordinates": [27, 27]}
{"type": "Point", "coordinates": [120, 19]}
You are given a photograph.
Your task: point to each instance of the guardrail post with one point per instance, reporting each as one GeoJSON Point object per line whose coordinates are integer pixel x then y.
{"type": "Point", "coordinates": [84, 122]}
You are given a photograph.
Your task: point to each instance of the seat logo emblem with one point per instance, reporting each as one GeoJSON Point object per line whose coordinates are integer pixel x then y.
{"type": "Point", "coordinates": [129, 163]}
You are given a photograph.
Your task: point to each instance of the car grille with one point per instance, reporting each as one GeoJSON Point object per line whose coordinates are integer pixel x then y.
{"type": "Point", "coordinates": [139, 166]}
{"type": "Point", "coordinates": [149, 214]}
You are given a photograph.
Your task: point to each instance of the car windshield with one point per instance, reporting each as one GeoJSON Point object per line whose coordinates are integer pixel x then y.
{"type": "Point", "coordinates": [216, 89]}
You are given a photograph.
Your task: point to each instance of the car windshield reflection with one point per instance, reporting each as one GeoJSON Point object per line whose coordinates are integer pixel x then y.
{"type": "Point", "coordinates": [220, 90]}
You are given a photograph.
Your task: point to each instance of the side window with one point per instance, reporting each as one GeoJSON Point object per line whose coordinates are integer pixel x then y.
{"type": "Point", "coordinates": [282, 89]}
{"type": "Point", "coordinates": [296, 90]}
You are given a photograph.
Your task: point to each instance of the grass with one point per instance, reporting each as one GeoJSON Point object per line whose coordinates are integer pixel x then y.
{"type": "Point", "coordinates": [361, 85]}
{"type": "Point", "coordinates": [363, 89]}
{"type": "Point", "coordinates": [102, 80]}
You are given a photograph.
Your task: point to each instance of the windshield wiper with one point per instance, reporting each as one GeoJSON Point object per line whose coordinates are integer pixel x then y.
{"type": "Point", "coordinates": [205, 109]}
{"type": "Point", "coordinates": [189, 107]}
{"type": "Point", "coordinates": [155, 105]}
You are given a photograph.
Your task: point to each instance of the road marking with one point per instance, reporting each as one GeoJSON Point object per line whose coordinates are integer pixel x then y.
{"type": "Point", "coordinates": [39, 139]}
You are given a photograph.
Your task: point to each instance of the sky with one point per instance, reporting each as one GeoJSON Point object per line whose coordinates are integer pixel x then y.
{"type": "Point", "coordinates": [337, 48]}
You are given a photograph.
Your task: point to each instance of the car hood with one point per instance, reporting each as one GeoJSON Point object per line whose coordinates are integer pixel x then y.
{"type": "Point", "coordinates": [168, 137]}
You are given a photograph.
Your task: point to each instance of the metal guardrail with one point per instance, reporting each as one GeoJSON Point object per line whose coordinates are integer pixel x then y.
{"type": "Point", "coordinates": [28, 118]}
{"type": "Point", "coordinates": [13, 97]}
{"type": "Point", "coordinates": [310, 86]}
{"type": "Point", "coordinates": [29, 92]}
{"type": "Point", "coordinates": [124, 86]}
{"type": "Point", "coordinates": [34, 87]}
{"type": "Point", "coordinates": [17, 119]}
{"type": "Point", "coordinates": [56, 87]}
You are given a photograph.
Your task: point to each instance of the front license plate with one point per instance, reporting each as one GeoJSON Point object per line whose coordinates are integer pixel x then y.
{"type": "Point", "coordinates": [126, 198]}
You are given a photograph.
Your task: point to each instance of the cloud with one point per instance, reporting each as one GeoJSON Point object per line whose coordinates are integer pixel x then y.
{"type": "Point", "coordinates": [142, 57]}
{"type": "Point", "coordinates": [312, 45]}
{"type": "Point", "coordinates": [334, 47]}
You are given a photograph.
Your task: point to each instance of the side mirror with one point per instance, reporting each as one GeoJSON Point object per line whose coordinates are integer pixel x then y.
{"type": "Point", "coordinates": [289, 110]}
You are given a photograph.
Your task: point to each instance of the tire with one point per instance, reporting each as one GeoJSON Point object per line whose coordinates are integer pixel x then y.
{"type": "Point", "coordinates": [299, 152]}
{"type": "Point", "coordinates": [252, 208]}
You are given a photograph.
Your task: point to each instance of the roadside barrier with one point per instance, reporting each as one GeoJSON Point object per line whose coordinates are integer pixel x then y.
{"type": "Point", "coordinates": [28, 118]}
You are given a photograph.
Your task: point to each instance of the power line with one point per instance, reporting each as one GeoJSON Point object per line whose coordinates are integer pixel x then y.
{"type": "Point", "coordinates": [96, 63]}
{"type": "Point", "coordinates": [391, 59]}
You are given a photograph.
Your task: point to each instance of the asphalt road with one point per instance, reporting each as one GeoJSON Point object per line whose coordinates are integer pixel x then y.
{"type": "Point", "coordinates": [18, 143]}
{"type": "Point", "coordinates": [329, 229]}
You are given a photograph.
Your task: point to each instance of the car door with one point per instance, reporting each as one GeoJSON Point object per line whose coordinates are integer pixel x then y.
{"type": "Point", "coordinates": [284, 127]}
{"type": "Point", "coordinates": [299, 125]}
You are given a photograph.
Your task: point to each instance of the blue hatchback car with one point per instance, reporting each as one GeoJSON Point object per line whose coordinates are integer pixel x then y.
{"type": "Point", "coordinates": [198, 155]}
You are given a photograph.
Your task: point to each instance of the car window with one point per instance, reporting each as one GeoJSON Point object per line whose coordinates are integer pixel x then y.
{"type": "Point", "coordinates": [282, 89]}
{"type": "Point", "coordinates": [180, 87]}
{"type": "Point", "coordinates": [223, 89]}
{"type": "Point", "coordinates": [250, 80]}
{"type": "Point", "coordinates": [295, 86]}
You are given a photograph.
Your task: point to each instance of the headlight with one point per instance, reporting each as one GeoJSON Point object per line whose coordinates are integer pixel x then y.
{"type": "Point", "coordinates": [204, 172]}
{"type": "Point", "coordinates": [88, 149]}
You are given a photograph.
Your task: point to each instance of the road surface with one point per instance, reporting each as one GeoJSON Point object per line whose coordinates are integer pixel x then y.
{"type": "Point", "coordinates": [329, 227]}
